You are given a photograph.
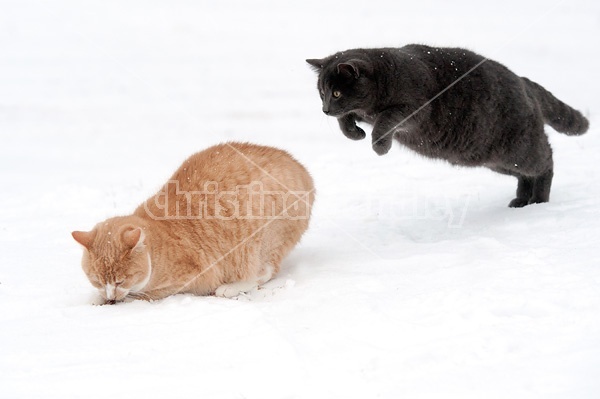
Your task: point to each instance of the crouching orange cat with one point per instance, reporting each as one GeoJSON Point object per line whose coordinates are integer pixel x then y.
{"type": "Point", "coordinates": [222, 224]}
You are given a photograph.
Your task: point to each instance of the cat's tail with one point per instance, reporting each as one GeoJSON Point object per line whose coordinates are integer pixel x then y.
{"type": "Point", "coordinates": [557, 114]}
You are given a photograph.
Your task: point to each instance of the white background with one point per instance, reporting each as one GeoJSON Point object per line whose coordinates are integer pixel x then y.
{"type": "Point", "coordinates": [415, 280]}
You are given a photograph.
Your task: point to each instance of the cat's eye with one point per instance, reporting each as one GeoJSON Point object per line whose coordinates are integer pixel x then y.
{"type": "Point", "coordinates": [337, 93]}
{"type": "Point", "coordinates": [118, 283]}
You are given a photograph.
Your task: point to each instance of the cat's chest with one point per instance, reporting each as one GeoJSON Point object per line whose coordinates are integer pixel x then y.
{"type": "Point", "coordinates": [363, 116]}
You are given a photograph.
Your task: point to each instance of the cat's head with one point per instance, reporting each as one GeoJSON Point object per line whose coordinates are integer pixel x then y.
{"type": "Point", "coordinates": [116, 259]}
{"type": "Point", "coordinates": [344, 85]}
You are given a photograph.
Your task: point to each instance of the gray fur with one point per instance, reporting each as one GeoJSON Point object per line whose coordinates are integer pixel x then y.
{"type": "Point", "coordinates": [452, 104]}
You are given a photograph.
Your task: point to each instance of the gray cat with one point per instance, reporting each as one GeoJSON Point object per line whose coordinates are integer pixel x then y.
{"type": "Point", "coordinates": [452, 104]}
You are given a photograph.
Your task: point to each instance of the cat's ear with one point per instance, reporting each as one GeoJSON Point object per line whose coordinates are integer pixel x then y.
{"type": "Point", "coordinates": [353, 68]}
{"type": "Point", "coordinates": [134, 238]}
{"type": "Point", "coordinates": [316, 64]}
{"type": "Point", "coordinates": [85, 238]}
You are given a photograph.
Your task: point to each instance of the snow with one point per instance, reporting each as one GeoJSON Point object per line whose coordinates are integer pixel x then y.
{"type": "Point", "coordinates": [414, 280]}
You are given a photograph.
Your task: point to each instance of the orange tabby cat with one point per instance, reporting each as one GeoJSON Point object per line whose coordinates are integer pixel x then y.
{"type": "Point", "coordinates": [222, 224]}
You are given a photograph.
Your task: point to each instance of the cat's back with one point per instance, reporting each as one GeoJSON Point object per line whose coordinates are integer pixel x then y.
{"type": "Point", "coordinates": [447, 64]}
{"type": "Point", "coordinates": [234, 164]}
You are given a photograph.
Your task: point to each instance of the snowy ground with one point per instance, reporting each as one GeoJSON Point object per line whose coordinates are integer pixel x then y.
{"type": "Point", "coordinates": [414, 281]}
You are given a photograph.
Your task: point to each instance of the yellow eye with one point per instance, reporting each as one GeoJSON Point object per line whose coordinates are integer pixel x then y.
{"type": "Point", "coordinates": [337, 93]}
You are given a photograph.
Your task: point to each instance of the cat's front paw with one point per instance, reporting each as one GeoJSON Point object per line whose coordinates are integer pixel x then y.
{"type": "Point", "coordinates": [382, 146]}
{"type": "Point", "coordinates": [226, 291]}
{"type": "Point", "coordinates": [235, 289]}
{"type": "Point", "coordinates": [355, 133]}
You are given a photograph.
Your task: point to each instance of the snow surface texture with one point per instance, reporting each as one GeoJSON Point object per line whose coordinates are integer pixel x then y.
{"type": "Point", "coordinates": [415, 279]}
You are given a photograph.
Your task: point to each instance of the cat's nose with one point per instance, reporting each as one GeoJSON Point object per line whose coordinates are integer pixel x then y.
{"type": "Point", "coordinates": [110, 292]}
{"type": "Point", "coordinates": [325, 111]}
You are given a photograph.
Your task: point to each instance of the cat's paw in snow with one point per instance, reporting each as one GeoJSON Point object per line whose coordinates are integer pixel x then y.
{"type": "Point", "coordinates": [518, 203]}
{"type": "Point", "coordinates": [235, 289]}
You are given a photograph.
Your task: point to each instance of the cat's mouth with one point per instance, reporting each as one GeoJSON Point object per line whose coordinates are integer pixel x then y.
{"type": "Point", "coordinates": [335, 112]}
{"type": "Point", "coordinates": [111, 294]}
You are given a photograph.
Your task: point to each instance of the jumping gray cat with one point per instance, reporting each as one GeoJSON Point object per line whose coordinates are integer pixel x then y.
{"type": "Point", "coordinates": [449, 103]}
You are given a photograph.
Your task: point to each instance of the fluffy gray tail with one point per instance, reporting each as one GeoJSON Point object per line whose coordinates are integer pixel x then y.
{"type": "Point", "coordinates": [557, 114]}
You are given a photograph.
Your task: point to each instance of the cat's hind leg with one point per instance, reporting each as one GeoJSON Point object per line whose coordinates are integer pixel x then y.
{"type": "Point", "coordinates": [541, 188]}
{"type": "Point", "coordinates": [530, 189]}
{"type": "Point", "coordinates": [524, 187]}
{"type": "Point", "coordinates": [524, 192]}
{"type": "Point", "coordinates": [234, 289]}
{"type": "Point", "coordinates": [533, 190]}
